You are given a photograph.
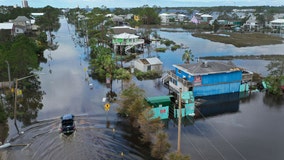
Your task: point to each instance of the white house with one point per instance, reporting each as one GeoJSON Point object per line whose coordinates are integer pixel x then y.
{"type": "Point", "coordinates": [149, 64]}
{"type": "Point", "coordinates": [206, 17]}
{"type": "Point", "coordinates": [7, 27]}
{"type": "Point", "coordinates": [166, 17]}
{"type": "Point", "coordinates": [118, 20]}
{"type": "Point", "coordinates": [277, 23]}
{"type": "Point", "coordinates": [22, 25]}
{"type": "Point", "coordinates": [181, 17]}
{"type": "Point", "coordinates": [127, 40]}
{"type": "Point", "coordinates": [251, 23]}
{"type": "Point", "coordinates": [35, 15]}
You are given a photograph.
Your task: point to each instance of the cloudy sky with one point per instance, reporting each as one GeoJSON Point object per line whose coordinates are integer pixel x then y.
{"type": "Point", "coordinates": [139, 3]}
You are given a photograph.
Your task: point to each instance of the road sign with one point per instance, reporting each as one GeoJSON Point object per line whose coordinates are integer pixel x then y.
{"type": "Point", "coordinates": [107, 107]}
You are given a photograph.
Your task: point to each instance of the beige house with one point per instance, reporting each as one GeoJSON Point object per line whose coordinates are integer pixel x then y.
{"type": "Point", "coordinates": [148, 64]}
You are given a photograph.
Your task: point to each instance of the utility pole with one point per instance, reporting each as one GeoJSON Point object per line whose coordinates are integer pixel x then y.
{"type": "Point", "coordinates": [179, 121]}
{"type": "Point", "coordinates": [15, 103]}
{"type": "Point", "coordinates": [9, 75]}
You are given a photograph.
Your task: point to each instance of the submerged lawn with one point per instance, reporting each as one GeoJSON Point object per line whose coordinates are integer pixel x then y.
{"type": "Point", "coordinates": [241, 39]}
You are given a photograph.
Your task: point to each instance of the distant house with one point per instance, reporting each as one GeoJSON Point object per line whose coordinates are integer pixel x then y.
{"type": "Point", "coordinates": [181, 17]}
{"type": "Point", "coordinates": [33, 20]}
{"type": "Point", "coordinates": [123, 29]}
{"type": "Point", "coordinates": [6, 31]}
{"type": "Point", "coordinates": [148, 64]}
{"type": "Point", "coordinates": [136, 18]}
{"type": "Point", "coordinates": [118, 20]}
{"type": "Point", "coordinates": [277, 24]}
{"type": "Point", "coordinates": [206, 18]}
{"type": "Point", "coordinates": [167, 17]}
{"type": "Point", "coordinates": [207, 78]}
{"type": "Point", "coordinates": [35, 15]}
{"type": "Point", "coordinates": [22, 25]}
{"type": "Point", "coordinates": [251, 24]}
{"type": "Point", "coordinates": [129, 16]}
{"type": "Point", "coordinates": [7, 27]}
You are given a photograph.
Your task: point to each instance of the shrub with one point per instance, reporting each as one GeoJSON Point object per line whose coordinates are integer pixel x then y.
{"type": "Point", "coordinates": [160, 49]}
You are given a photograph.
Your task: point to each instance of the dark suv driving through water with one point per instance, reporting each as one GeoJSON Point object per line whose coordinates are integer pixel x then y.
{"type": "Point", "coordinates": [67, 124]}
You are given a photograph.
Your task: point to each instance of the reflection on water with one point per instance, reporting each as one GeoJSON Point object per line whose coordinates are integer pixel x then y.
{"type": "Point", "coordinates": [234, 128]}
{"type": "Point", "coordinates": [218, 104]}
{"type": "Point", "coordinates": [202, 47]}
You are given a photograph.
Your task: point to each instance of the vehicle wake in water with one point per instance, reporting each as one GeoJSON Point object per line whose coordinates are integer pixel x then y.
{"type": "Point", "coordinates": [93, 139]}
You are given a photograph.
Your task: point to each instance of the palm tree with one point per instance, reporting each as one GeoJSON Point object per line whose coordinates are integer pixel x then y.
{"type": "Point", "coordinates": [187, 56]}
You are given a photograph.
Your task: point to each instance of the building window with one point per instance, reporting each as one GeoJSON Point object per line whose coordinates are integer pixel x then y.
{"type": "Point", "coordinates": [174, 81]}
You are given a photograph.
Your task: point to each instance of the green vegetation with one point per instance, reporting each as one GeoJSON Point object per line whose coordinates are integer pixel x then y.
{"type": "Point", "coordinates": [242, 39]}
{"type": "Point", "coordinates": [178, 156]}
{"type": "Point", "coordinates": [4, 128]}
{"type": "Point", "coordinates": [175, 47]}
{"type": "Point", "coordinates": [3, 114]}
{"type": "Point", "coordinates": [23, 53]}
{"type": "Point", "coordinates": [133, 106]}
{"type": "Point", "coordinates": [167, 42]}
{"type": "Point", "coordinates": [160, 49]}
{"type": "Point", "coordinates": [275, 79]}
{"type": "Point", "coordinates": [147, 75]}
{"type": "Point", "coordinates": [102, 63]}
{"type": "Point", "coordinates": [187, 56]}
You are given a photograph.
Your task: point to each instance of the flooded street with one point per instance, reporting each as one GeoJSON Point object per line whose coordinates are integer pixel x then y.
{"type": "Point", "coordinates": [233, 127]}
{"type": "Point", "coordinates": [99, 135]}
{"type": "Point", "coordinates": [92, 140]}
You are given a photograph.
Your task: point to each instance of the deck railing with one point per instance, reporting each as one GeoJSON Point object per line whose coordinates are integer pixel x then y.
{"type": "Point", "coordinates": [185, 82]}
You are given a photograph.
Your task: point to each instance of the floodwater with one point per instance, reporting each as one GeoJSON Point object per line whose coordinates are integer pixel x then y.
{"type": "Point", "coordinates": [233, 127]}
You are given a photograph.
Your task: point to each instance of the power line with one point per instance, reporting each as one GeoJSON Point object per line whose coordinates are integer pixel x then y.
{"type": "Point", "coordinates": [210, 142]}
{"type": "Point", "coordinates": [196, 148]}
{"type": "Point", "coordinates": [221, 135]}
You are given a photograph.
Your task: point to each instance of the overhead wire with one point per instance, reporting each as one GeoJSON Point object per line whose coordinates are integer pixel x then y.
{"type": "Point", "coordinates": [225, 139]}
{"type": "Point", "coordinates": [214, 147]}
{"type": "Point", "coordinates": [196, 148]}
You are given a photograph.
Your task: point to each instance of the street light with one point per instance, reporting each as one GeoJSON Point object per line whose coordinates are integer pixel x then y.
{"type": "Point", "coordinates": [15, 103]}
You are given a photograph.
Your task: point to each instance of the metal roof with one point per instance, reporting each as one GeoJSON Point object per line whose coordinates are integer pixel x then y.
{"type": "Point", "coordinates": [277, 21]}
{"type": "Point", "coordinates": [21, 19]}
{"type": "Point", "coordinates": [123, 29]}
{"type": "Point", "coordinates": [152, 60]}
{"type": "Point", "coordinates": [6, 25]}
{"type": "Point", "coordinates": [202, 68]}
{"type": "Point", "coordinates": [125, 36]}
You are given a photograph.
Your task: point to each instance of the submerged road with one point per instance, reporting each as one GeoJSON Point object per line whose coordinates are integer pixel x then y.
{"type": "Point", "coordinates": [99, 135]}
